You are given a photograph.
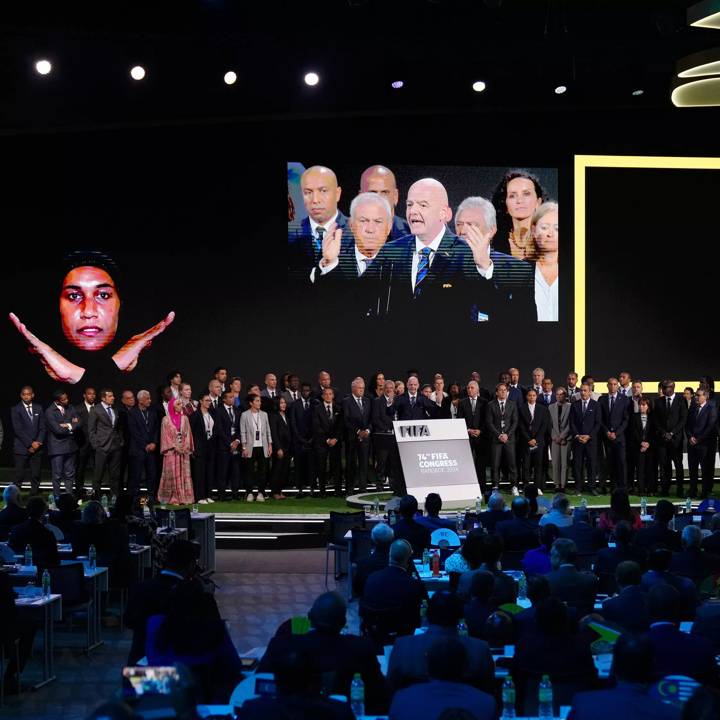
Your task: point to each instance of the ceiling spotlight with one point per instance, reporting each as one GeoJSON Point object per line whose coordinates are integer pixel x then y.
{"type": "Point", "coordinates": [230, 77]}
{"type": "Point", "coordinates": [705, 14]}
{"type": "Point", "coordinates": [137, 73]}
{"type": "Point", "coordinates": [478, 86]}
{"type": "Point", "coordinates": [397, 84]}
{"type": "Point", "coordinates": [43, 67]}
{"type": "Point", "coordinates": [312, 78]}
{"type": "Point", "coordinates": [560, 89]}
{"type": "Point", "coordinates": [638, 92]}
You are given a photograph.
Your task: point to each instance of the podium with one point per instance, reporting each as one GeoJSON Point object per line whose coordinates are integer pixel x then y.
{"type": "Point", "coordinates": [436, 457]}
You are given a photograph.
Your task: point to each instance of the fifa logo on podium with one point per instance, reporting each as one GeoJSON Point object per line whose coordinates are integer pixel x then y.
{"type": "Point", "coordinates": [414, 431]}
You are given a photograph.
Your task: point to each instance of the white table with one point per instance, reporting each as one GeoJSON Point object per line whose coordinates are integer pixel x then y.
{"type": "Point", "coordinates": [142, 559]}
{"type": "Point", "coordinates": [44, 611]}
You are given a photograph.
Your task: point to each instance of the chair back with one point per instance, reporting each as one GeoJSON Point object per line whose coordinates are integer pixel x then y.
{"type": "Point", "coordinates": [512, 559]}
{"type": "Point", "coordinates": [341, 522]}
{"type": "Point", "coordinates": [69, 581]}
{"type": "Point", "coordinates": [56, 531]}
{"type": "Point", "coordinates": [444, 538]}
{"type": "Point", "coordinates": [361, 543]}
{"type": "Point", "coordinates": [383, 625]}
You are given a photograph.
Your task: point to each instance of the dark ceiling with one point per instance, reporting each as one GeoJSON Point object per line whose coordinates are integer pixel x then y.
{"type": "Point", "coordinates": [521, 49]}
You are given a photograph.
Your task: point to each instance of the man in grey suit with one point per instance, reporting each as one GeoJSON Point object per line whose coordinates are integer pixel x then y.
{"type": "Point", "coordinates": [501, 418]}
{"type": "Point", "coordinates": [256, 443]}
{"type": "Point", "coordinates": [409, 664]}
{"type": "Point", "coordinates": [560, 437]}
{"type": "Point", "coordinates": [61, 421]}
{"type": "Point", "coordinates": [106, 440]}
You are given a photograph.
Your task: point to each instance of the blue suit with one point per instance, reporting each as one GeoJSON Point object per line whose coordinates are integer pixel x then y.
{"type": "Point", "coordinates": [61, 445]}
{"type": "Point", "coordinates": [516, 394]}
{"type": "Point", "coordinates": [701, 425]}
{"type": "Point", "coordinates": [615, 420]}
{"type": "Point", "coordinates": [27, 431]}
{"type": "Point", "coordinates": [429, 700]}
{"type": "Point", "coordinates": [143, 429]}
{"type": "Point", "coordinates": [421, 410]}
{"type": "Point", "coordinates": [587, 423]}
{"type": "Point", "coordinates": [304, 252]}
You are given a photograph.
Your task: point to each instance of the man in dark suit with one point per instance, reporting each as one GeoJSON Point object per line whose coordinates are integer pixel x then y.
{"type": "Point", "coordinates": [670, 415]}
{"type": "Point", "coordinates": [516, 391]}
{"type": "Point", "coordinates": [533, 426]}
{"type": "Point", "coordinates": [381, 180]}
{"type": "Point", "coordinates": [300, 413]}
{"type": "Point", "coordinates": [658, 573]}
{"type": "Point", "coordinates": [472, 410]}
{"type": "Point", "coordinates": [382, 537]}
{"type": "Point", "coordinates": [356, 421]}
{"type": "Point", "coordinates": [32, 532]}
{"type": "Point", "coordinates": [629, 608]}
{"type": "Point", "coordinates": [13, 513]}
{"type": "Point", "coordinates": [321, 195]}
{"type": "Point", "coordinates": [61, 421]}
{"type": "Point", "coordinates": [518, 534]}
{"type": "Point", "coordinates": [584, 428]}
{"type": "Point", "coordinates": [324, 381]}
{"type": "Point", "coordinates": [408, 528]}
{"type": "Point", "coordinates": [501, 420]}
{"type": "Point", "coordinates": [387, 457]}
{"type": "Point", "coordinates": [496, 513]}
{"type": "Point", "coordinates": [701, 431]}
{"type": "Point", "coordinates": [327, 424]}
{"type": "Point", "coordinates": [28, 424]}
{"type": "Point", "coordinates": [106, 440]}
{"type": "Point", "coordinates": [659, 533]}
{"type": "Point", "coordinates": [338, 657]}
{"type": "Point", "coordinates": [144, 433]}
{"type": "Point", "coordinates": [569, 584]}
{"type": "Point", "coordinates": [227, 442]}
{"type": "Point", "coordinates": [86, 454]}
{"type": "Point", "coordinates": [412, 405]}
{"type": "Point", "coordinates": [127, 402]}
{"type": "Point", "coordinates": [692, 561]}
{"type": "Point", "coordinates": [711, 543]}
{"type": "Point", "coordinates": [588, 540]}
{"type": "Point", "coordinates": [615, 411]}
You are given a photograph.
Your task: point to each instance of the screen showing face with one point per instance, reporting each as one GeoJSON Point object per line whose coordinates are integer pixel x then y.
{"type": "Point", "coordinates": [469, 245]}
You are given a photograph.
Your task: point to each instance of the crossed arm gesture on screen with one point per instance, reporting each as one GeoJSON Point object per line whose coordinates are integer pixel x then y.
{"type": "Point", "coordinates": [61, 369]}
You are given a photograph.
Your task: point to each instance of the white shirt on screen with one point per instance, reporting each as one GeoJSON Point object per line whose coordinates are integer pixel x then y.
{"type": "Point", "coordinates": [546, 297]}
{"type": "Point", "coordinates": [314, 226]}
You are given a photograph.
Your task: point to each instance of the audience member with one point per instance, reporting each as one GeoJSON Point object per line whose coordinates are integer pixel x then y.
{"type": "Point", "coordinates": [407, 527]}
{"type": "Point", "coordinates": [538, 590]}
{"type": "Point", "coordinates": [520, 533]}
{"type": "Point", "coordinates": [692, 561]}
{"type": "Point", "coordinates": [467, 557]}
{"type": "Point", "coordinates": [14, 626]}
{"type": "Point", "coordinates": [537, 561]}
{"type": "Point", "coordinates": [707, 622]}
{"type": "Point", "coordinates": [490, 551]}
{"type": "Point", "coordinates": [659, 533]}
{"type": "Point", "coordinates": [610, 557]}
{"type": "Point", "coordinates": [432, 520]}
{"type": "Point", "coordinates": [496, 512]}
{"type": "Point", "coordinates": [382, 536]}
{"type": "Point", "coordinates": [658, 573]}
{"type": "Point", "coordinates": [588, 540]}
{"type": "Point", "coordinates": [480, 606]}
{"type": "Point", "coordinates": [32, 532]}
{"type": "Point", "coordinates": [66, 515]}
{"type": "Point", "coordinates": [629, 608]}
{"type": "Point", "coordinates": [560, 513]}
{"type": "Point", "coordinates": [703, 705]}
{"type": "Point", "coordinates": [574, 587]}
{"type": "Point", "coordinates": [711, 543]}
{"type": "Point", "coordinates": [620, 511]}
{"type": "Point", "coordinates": [13, 513]}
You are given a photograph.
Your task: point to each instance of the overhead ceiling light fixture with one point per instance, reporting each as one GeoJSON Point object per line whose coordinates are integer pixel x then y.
{"type": "Point", "coordinates": [397, 84]}
{"type": "Point", "coordinates": [560, 89]}
{"type": "Point", "coordinates": [638, 92]}
{"type": "Point", "coordinates": [697, 83]}
{"type": "Point", "coordinates": [137, 73]}
{"type": "Point", "coordinates": [705, 14]}
{"type": "Point", "coordinates": [312, 78]}
{"type": "Point", "coordinates": [43, 67]}
{"type": "Point", "coordinates": [230, 77]}
{"type": "Point", "coordinates": [478, 86]}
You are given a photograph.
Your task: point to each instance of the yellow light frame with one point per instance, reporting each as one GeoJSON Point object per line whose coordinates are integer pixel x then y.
{"type": "Point", "coordinates": [582, 162]}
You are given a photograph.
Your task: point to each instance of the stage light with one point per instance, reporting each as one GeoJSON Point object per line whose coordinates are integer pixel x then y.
{"type": "Point", "coordinates": [43, 67]}
{"type": "Point", "coordinates": [397, 84]}
{"type": "Point", "coordinates": [137, 73]}
{"type": "Point", "coordinates": [638, 92]}
{"type": "Point", "coordinates": [478, 86]}
{"type": "Point", "coordinates": [560, 89]}
{"type": "Point", "coordinates": [230, 77]}
{"type": "Point", "coordinates": [705, 14]}
{"type": "Point", "coordinates": [312, 78]}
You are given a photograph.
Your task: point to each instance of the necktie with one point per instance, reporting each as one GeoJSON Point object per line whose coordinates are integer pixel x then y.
{"type": "Point", "coordinates": [272, 393]}
{"type": "Point", "coordinates": [502, 408]}
{"type": "Point", "coordinates": [612, 401]}
{"type": "Point", "coordinates": [29, 411]}
{"type": "Point", "coordinates": [145, 416]}
{"type": "Point", "coordinates": [215, 402]}
{"type": "Point", "coordinates": [231, 414]}
{"type": "Point", "coordinates": [110, 415]}
{"type": "Point", "coordinates": [359, 403]}
{"type": "Point", "coordinates": [329, 412]}
{"type": "Point", "coordinates": [365, 264]}
{"type": "Point", "coordinates": [584, 406]}
{"type": "Point", "coordinates": [669, 403]}
{"type": "Point", "coordinates": [547, 399]}
{"type": "Point", "coordinates": [412, 401]}
{"type": "Point", "coordinates": [318, 242]}
{"type": "Point", "coordinates": [305, 404]}
{"type": "Point", "coordinates": [472, 404]}
{"type": "Point", "coordinates": [422, 271]}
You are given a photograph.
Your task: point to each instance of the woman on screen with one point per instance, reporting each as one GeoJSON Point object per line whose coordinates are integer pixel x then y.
{"type": "Point", "coordinates": [515, 199]}
{"type": "Point", "coordinates": [544, 230]}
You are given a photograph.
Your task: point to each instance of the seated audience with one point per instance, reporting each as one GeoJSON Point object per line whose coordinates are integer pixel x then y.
{"type": "Point", "coordinates": [395, 588]}
{"type": "Point", "coordinates": [337, 657]}
{"type": "Point", "coordinates": [14, 626]}
{"type": "Point", "coordinates": [382, 536]}
{"type": "Point", "coordinates": [13, 513]}
{"type": "Point", "coordinates": [676, 652]}
{"type": "Point", "coordinates": [620, 511]}
{"type": "Point", "coordinates": [432, 520]}
{"type": "Point", "coordinates": [537, 560]}
{"type": "Point", "coordinates": [128, 511]}
{"type": "Point", "coordinates": [480, 606]}
{"type": "Point", "coordinates": [659, 533]}
{"type": "Point", "coordinates": [66, 515]}
{"type": "Point", "coordinates": [408, 661]}
{"type": "Point", "coordinates": [629, 608]}
{"type": "Point", "coordinates": [692, 561]}
{"type": "Point", "coordinates": [587, 539]}
{"type": "Point", "coordinates": [560, 514]}
{"type": "Point", "coordinates": [32, 532]}
{"type": "Point", "coordinates": [520, 533]}
{"type": "Point", "coordinates": [569, 584]}
{"type": "Point", "coordinates": [711, 543]}
{"type": "Point", "coordinates": [467, 557]}
{"type": "Point", "coordinates": [407, 527]}
{"type": "Point", "coordinates": [531, 494]}
{"type": "Point", "coordinates": [632, 671]}
{"type": "Point", "coordinates": [538, 589]}
{"type": "Point", "coordinates": [496, 512]}
{"type": "Point", "coordinates": [153, 596]}
{"type": "Point", "coordinates": [707, 622]}
{"type": "Point", "coordinates": [610, 557]}
{"type": "Point", "coordinates": [490, 551]}
{"type": "Point", "coordinates": [658, 572]}
{"type": "Point", "coordinates": [446, 663]}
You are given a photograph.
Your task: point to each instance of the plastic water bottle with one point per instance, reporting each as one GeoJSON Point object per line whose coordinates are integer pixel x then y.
{"type": "Point", "coordinates": [435, 563]}
{"type": "Point", "coordinates": [172, 519]}
{"type": "Point", "coordinates": [104, 503]}
{"type": "Point", "coordinates": [46, 584]}
{"type": "Point", "coordinates": [113, 501]}
{"type": "Point", "coordinates": [426, 560]}
{"type": "Point", "coordinates": [459, 522]}
{"type": "Point", "coordinates": [522, 586]}
{"type": "Point", "coordinates": [478, 505]}
{"type": "Point", "coordinates": [688, 505]}
{"type": "Point", "coordinates": [28, 555]}
{"type": "Point", "coordinates": [583, 502]}
{"type": "Point", "coordinates": [51, 501]}
{"type": "Point", "coordinates": [357, 696]}
{"type": "Point", "coordinates": [92, 557]}
{"type": "Point", "coordinates": [391, 517]}
{"type": "Point", "coordinates": [545, 698]}
{"type": "Point", "coordinates": [376, 507]}
{"type": "Point", "coordinates": [462, 628]}
{"type": "Point", "coordinates": [643, 506]}
{"type": "Point", "coordinates": [508, 698]}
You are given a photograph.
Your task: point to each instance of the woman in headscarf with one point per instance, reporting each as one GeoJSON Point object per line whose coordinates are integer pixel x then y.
{"type": "Point", "coordinates": [176, 446]}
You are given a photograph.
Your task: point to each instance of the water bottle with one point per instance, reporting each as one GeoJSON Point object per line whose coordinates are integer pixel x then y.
{"type": "Point", "coordinates": [643, 506]}
{"type": "Point", "coordinates": [583, 503]}
{"type": "Point", "coordinates": [92, 557]}
{"type": "Point", "coordinates": [391, 517]}
{"type": "Point", "coordinates": [508, 698]}
{"type": "Point", "coordinates": [46, 584]}
{"type": "Point", "coordinates": [462, 628]}
{"type": "Point", "coordinates": [172, 519]}
{"type": "Point", "coordinates": [51, 502]}
{"type": "Point", "coordinates": [688, 505]}
{"type": "Point", "coordinates": [478, 505]}
{"type": "Point", "coordinates": [459, 522]}
{"type": "Point", "coordinates": [376, 507]}
{"type": "Point", "coordinates": [357, 696]}
{"type": "Point", "coordinates": [104, 503]}
{"type": "Point", "coordinates": [423, 613]}
{"type": "Point", "coordinates": [545, 698]}
{"type": "Point", "coordinates": [435, 563]}
{"type": "Point", "coordinates": [426, 560]}
{"type": "Point", "coordinates": [522, 586]}
{"type": "Point", "coordinates": [28, 555]}
{"type": "Point", "coordinates": [113, 501]}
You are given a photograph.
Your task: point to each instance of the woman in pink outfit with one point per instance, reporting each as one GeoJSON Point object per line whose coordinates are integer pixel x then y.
{"type": "Point", "coordinates": [176, 446]}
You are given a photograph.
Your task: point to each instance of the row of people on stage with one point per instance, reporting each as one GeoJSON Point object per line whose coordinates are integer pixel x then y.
{"type": "Point", "coordinates": [230, 442]}
{"type": "Point", "coordinates": [490, 261]}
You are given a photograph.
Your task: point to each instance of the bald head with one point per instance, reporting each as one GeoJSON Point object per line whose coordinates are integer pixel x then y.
{"type": "Point", "coordinates": [321, 193]}
{"type": "Point", "coordinates": [428, 210]}
{"type": "Point", "coordinates": [381, 180]}
{"type": "Point", "coordinates": [328, 613]}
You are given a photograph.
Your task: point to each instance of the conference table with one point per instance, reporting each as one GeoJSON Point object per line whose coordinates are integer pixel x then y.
{"type": "Point", "coordinates": [203, 526]}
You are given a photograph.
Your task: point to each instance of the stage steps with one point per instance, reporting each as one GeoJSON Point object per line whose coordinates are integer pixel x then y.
{"type": "Point", "coordinates": [271, 531]}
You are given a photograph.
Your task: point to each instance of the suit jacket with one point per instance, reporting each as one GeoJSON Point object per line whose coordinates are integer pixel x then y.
{"type": "Point", "coordinates": [325, 428]}
{"type": "Point", "coordinates": [81, 433]}
{"type": "Point", "coordinates": [628, 609]}
{"type": "Point", "coordinates": [631, 700]}
{"type": "Point", "coordinates": [60, 440]}
{"type": "Point", "coordinates": [670, 422]}
{"type": "Point", "coordinates": [287, 394]}
{"type": "Point", "coordinates": [382, 416]}
{"type": "Point", "coordinates": [103, 434]}
{"type": "Point", "coordinates": [695, 564]}
{"type": "Point", "coordinates": [702, 425]}
{"type": "Point", "coordinates": [518, 534]}
{"type": "Point", "coordinates": [516, 393]}
{"type": "Point", "coordinates": [281, 432]}
{"type": "Point", "coordinates": [616, 420]}
{"type": "Point", "coordinates": [365, 567]}
{"type": "Point", "coordinates": [473, 420]}
{"type": "Point", "coordinates": [493, 420]}
{"type": "Point", "coordinates": [574, 587]}
{"type": "Point", "coordinates": [12, 515]}
{"type": "Point", "coordinates": [143, 433]}
{"type": "Point", "coordinates": [25, 430]}
{"type": "Point", "coordinates": [408, 660]}
{"type": "Point", "coordinates": [559, 421]}
{"type": "Point", "coordinates": [533, 428]}
{"type": "Point", "coordinates": [638, 435]}
{"type": "Point", "coordinates": [679, 653]}
{"type": "Point", "coordinates": [203, 446]}
{"type": "Point", "coordinates": [400, 228]}
{"type": "Point", "coordinates": [547, 403]}
{"type": "Point", "coordinates": [41, 540]}
{"type": "Point", "coordinates": [248, 429]}
{"type": "Point", "coordinates": [226, 430]}
{"type": "Point", "coordinates": [301, 424]}
{"type": "Point", "coordinates": [707, 622]}
{"type": "Point", "coordinates": [430, 699]}
{"type": "Point", "coordinates": [416, 534]}
{"type": "Point", "coordinates": [302, 253]}
{"type": "Point", "coordinates": [587, 424]}
{"type": "Point", "coordinates": [657, 534]}
{"type": "Point", "coordinates": [353, 419]}
{"type": "Point", "coordinates": [489, 519]}
{"type": "Point", "coordinates": [393, 587]}
{"type": "Point", "coordinates": [422, 410]}
{"type": "Point", "coordinates": [587, 539]}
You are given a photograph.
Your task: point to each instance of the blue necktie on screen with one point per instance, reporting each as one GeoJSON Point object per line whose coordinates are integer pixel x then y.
{"type": "Point", "coordinates": [422, 271]}
{"type": "Point", "coordinates": [318, 240]}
